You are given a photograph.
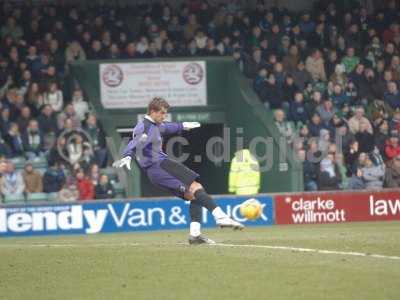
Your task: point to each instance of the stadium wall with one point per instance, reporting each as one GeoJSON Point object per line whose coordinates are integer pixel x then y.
{"type": "Point", "coordinates": [153, 214]}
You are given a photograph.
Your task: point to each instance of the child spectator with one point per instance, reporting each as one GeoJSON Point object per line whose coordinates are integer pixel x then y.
{"type": "Point", "coordinates": [85, 186]}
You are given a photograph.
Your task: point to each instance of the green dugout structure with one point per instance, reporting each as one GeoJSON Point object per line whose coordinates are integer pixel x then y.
{"type": "Point", "coordinates": [233, 118]}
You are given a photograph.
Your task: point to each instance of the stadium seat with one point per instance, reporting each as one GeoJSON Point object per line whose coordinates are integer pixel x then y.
{"type": "Point", "coordinates": [39, 162]}
{"type": "Point", "coordinates": [53, 197]}
{"type": "Point", "coordinates": [19, 162]}
{"type": "Point", "coordinates": [14, 199]}
{"type": "Point", "coordinates": [36, 197]}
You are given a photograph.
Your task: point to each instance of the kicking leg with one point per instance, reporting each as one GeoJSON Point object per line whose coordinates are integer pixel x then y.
{"type": "Point", "coordinates": [205, 200]}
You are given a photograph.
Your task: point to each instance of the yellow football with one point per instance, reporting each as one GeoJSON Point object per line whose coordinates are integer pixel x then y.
{"type": "Point", "coordinates": [251, 209]}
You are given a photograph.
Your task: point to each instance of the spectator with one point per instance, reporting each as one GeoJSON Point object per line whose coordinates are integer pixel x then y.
{"type": "Point", "coordinates": [253, 64]}
{"type": "Point", "coordinates": [53, 179]}
{"type": "Point", "coordinates": [339, 97]}
{"type": "Point", "coordinates": [32, 179]}
{"type": "Point", "coordinates": [5, 150]}
{"type": "Point", "coordinates": [69, 191]}
{"type": "Point", "coordinates": [54, 97]}
{"type": "Point", "coordinates": [328, 176]}
{"type": "Point", "coordinates": [357, 119]}
{"type": "Point", "coordinates": [104, 189]}
{"type": "Point", "coordinates": [394, 124]}
{"type": "Point", "coordinates": [5, 121]}
{"type": "Point", "coordinates": [68, 113]}
{"type": "Point", "coordinates": [324, 140]}
{"type": "Point", "coordinates": [12, 181]}
{"type": "Point", "coordinates": [292, 59]}
{"type": "Point", "coordinates": [81, 107]}
{"type": "Point", "coordinates": [373, 175]}
{"type": "Point", "coordinates": [11, 29]}
{"type": "Point", "coordinates": [34, 98]}
{"type": "Point", "coordinates": [33, 141]}
{"type": "Point", "coordinates": [94, 173]}
{"type": "Point", "coordinates": [301, 76]}
{"type": "Point", "coordinates": [24, 118]}
{"type": "Point", "coordinates": [309, 172]}
{"type": "Point", "coordinates": [392, 176]}
{"type": "Point", "coordinates": [75, 148]}
{"type": "Point", "coordinates": [271, 94]}
{"type": "Point", "coordinates": [298, 112]}
{"type": "Point", "coordinates": [392, 148]}
{"type": "Point", "coordinates": [378, 111]}
{"type": "Point", "coordinates": [288, 90]}
{"type": "Point", "coordinates": [326, 111]}
{"type": "Point", "coordinates": [14, 140]}
{"type": "Point", "coordinates": [48, 125]}
{"type": "Point", "coordinates": [381, 136]}
{"type": "Point", "coordinates": [315, 125]}
{"type": "Point", "coordinates": [343, 136]}
{"type": "Point", "coordinates": [364, 138]}
{"type": "Point", "coordinates": [392, 96]}
{"type": "Point", "coordinates": [315, 66]}
{"type": "Point", "coordinates": [339, 77]}
{"type": "Point", "coordinates": [85, 186]}
{"type": "Point", "coordinates": [285, 128]}
{"type": "Point", "coordinates": [74, 52]}
{"type": "Point", "coordinates": [350, 61]}
{"type": "Point", "coordinates": [58, 153]}
{"type": "Point", "coordinates": [97, 139]}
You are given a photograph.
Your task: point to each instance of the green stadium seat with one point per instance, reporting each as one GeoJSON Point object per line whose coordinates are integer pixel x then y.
{"type": "Point", "coordinates": [53, 197]}
{"type": "Point", "coordinates": [14, 199]}
{"type": "Point", "coordinates": [19, 162]}
{"type": "Point", "coordinates": [36, 197]}
{"type": "Point", "coordinates": [39, 162]}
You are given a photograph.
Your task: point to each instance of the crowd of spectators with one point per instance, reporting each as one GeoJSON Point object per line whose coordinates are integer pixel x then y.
{"type": "Point", "coordinates": [326, 73]}
{"type": "Point", "coordinates": [42, 115]}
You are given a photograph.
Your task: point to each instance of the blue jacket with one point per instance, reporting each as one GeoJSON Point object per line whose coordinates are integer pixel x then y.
{"type": "Point", "coordinates": [393, 99]}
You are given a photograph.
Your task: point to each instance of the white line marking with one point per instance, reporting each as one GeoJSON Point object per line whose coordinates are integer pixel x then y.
{"type": "Point", "coordinates": [285, 248]}
{"type": "Point", "coordinates": [83, 245]}
{"type": "Point", "coordinates": [321, 251]}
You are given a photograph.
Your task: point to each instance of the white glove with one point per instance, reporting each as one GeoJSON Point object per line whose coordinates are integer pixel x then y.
{"type": "Point", "coordinates": [190, 125]}
{"type": "Point", "coordinates": [123, 162]}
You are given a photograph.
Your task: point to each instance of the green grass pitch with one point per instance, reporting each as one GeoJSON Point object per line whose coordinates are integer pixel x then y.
{"type": "Point", "coordinates": [160, 265]}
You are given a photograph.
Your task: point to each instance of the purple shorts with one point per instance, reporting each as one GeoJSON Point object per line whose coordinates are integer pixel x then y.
{"type": "Point", "coordinates": [172, 175]}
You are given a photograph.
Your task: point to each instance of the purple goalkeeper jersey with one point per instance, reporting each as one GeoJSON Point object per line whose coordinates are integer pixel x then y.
{"type": "Point", "coordinates": [147, 140]}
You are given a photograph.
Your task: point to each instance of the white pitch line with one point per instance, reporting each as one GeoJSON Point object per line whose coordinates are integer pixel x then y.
{"type": "Point", "coordinates": [320, 251]}
{"type": "Point", "coordinates": [83, 245]}
{"type": "Point", "coordinates": [285, 248]}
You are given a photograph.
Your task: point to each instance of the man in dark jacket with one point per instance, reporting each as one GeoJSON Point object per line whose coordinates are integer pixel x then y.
{"type": "Point", "coordinates": [104, 190]}
{"type": "Point", "coordinates": [53, 179]}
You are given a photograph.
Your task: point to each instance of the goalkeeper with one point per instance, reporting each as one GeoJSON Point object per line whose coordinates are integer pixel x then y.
{"type": "Point", "coordinates": [146, 147]}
